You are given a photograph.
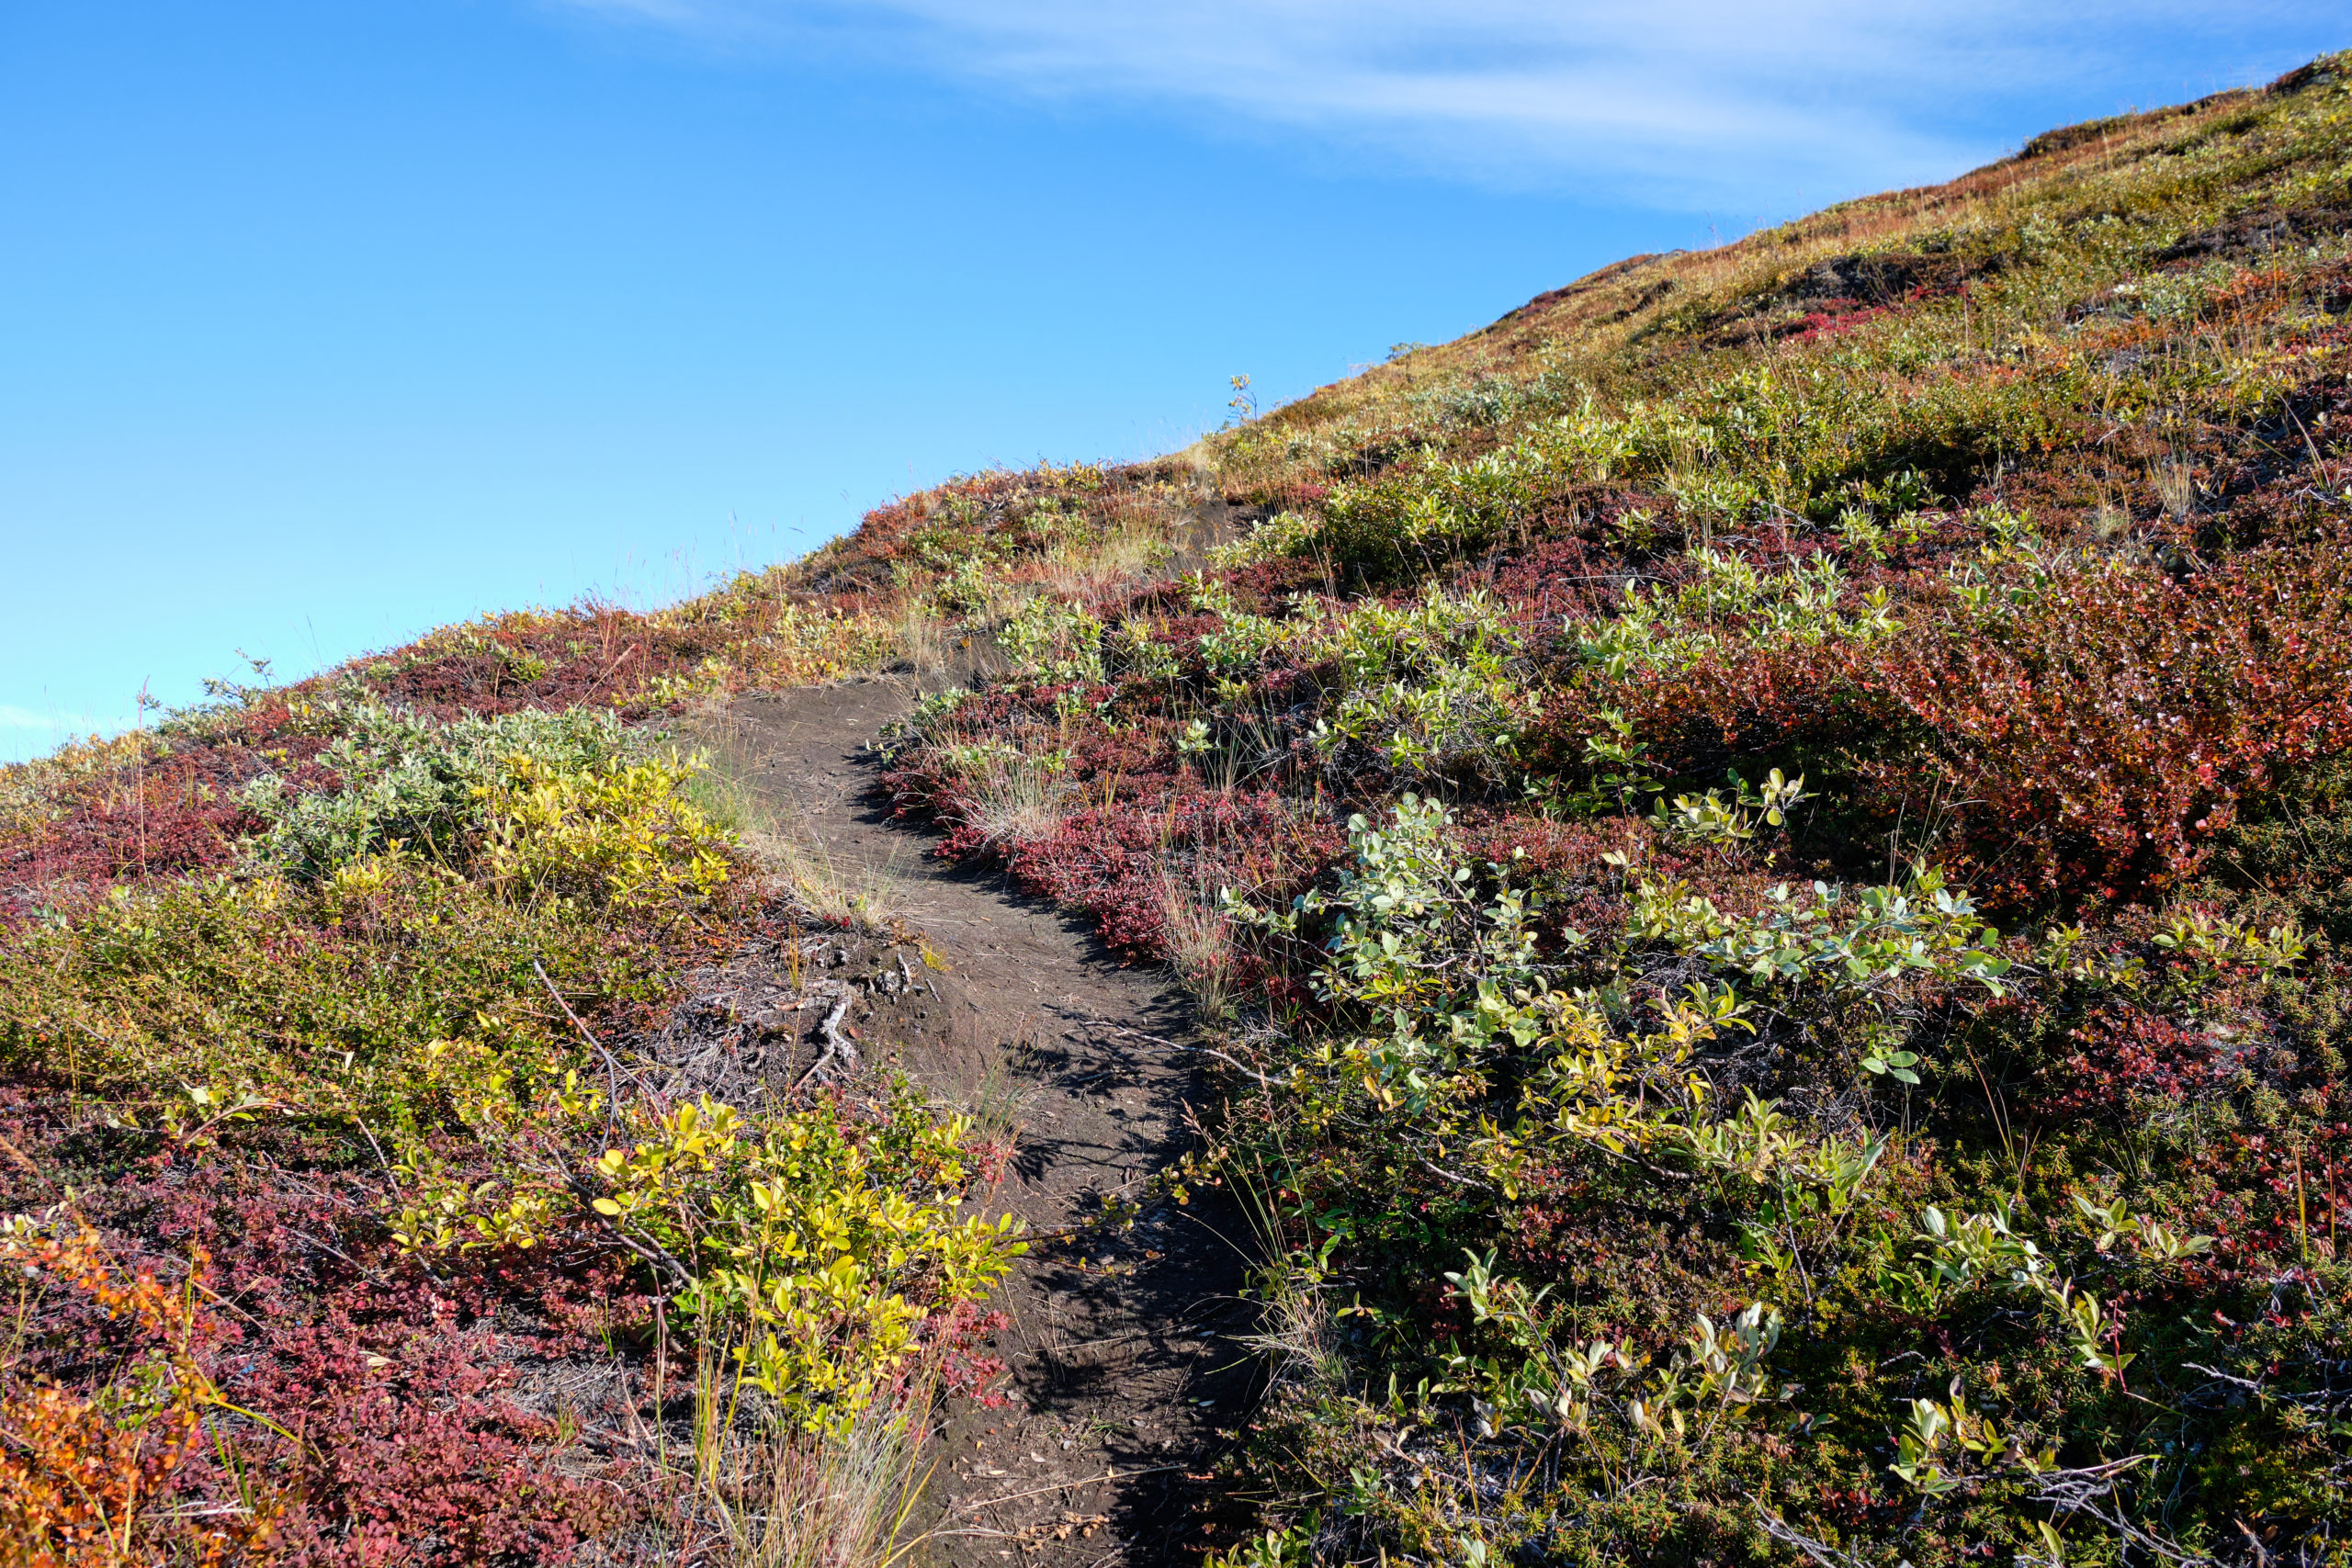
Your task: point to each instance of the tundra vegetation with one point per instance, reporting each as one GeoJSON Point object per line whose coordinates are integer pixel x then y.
{"type": "Point", "coordinates": [1766, 839]}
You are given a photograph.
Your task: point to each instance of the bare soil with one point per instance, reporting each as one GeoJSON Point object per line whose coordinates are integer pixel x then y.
{"type": "Point", "coordinates": [1122, 1364]}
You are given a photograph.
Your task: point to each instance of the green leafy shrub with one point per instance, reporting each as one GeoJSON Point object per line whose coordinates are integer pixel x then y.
{"type": "Point", "coordinates": [818, 1245]}
{"type": "Point", "coordinates": [406, 777]}
{"type": "Point", "coordinates": [1053, 640]}
{"type": "Point", "coordinates": [1431, 509]}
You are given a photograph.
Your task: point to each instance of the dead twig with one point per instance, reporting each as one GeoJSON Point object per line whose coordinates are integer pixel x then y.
{"type": "Point", "coordinates": [1826, 1556]}
{"type": "Point", "coordinates": [612, 1068]}
{"type": "Point", "coordinates": [22, 1158]}
{"type": "Point", "coordinates": [837, 1045]}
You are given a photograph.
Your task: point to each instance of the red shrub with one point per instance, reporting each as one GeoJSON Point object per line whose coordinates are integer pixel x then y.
{"type": "Point", "coordinates": [1117, 863]}
{"type": "Point", "coordinates": [2124, 1054]}
{"type": "Point", "coordinates": [175, 813]}
{"type": "Point", "coordinates": [2101, 741]}
{"type": "Point", "coordinates": [399, 1386]}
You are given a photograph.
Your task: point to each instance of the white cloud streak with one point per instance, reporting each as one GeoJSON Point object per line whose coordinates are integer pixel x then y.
{"type": "Point", "coordinates": [1676, 102]}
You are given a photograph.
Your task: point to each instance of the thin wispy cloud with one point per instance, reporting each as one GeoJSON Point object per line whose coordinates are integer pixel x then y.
{"type": "Point", "coordinates": [1680, 104]}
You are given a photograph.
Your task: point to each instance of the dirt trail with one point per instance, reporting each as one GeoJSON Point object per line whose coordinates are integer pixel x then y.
{"type": "Point", "coordinates": [1120, 1367]}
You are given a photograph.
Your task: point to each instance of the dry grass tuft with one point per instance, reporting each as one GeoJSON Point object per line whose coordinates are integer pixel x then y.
{"type": "Point", "coordinates": [1129, 551]}
{"type": "Point", "coordinates": [2175, 485]}
{"type": "Point", "coordinates": [1200, 947]}
{"type": "Point", "coordinates": [789, 1500]}
{"type": "Point", "coordinates": [923, 638]}
{"type": "Point", "coordinates": [859, 894]}
{"type": "Point", "coordinates": [998, 1104]}
{"type": "Point", "coordinates": [1015, 799]}
{"type": "Point", "coordinates": [1297, 1337]}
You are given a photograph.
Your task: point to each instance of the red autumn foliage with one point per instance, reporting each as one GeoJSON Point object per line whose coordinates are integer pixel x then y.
{"type": "Point", "coordinates": [2122, 1053]}
{"type": "Point", "coordinates": [399, 1389]}
{"type": "Point", "coordinates": [173, 814]}
{"type": "Point", "coordinates": [2103, 741]}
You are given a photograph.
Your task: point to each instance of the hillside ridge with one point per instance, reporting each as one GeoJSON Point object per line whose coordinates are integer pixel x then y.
{"type": "Point", "coordinates": [1755, 859]}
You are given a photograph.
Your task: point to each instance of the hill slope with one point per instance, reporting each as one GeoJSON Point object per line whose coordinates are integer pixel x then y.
{"type": "Point", "coordinates": [1768, 838]}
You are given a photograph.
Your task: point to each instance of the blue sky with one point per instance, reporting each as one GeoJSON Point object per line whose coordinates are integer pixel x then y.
{"type": "Point", "coordinates": [326, 322]}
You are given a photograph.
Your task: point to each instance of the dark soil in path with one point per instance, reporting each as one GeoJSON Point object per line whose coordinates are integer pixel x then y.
{"type": "Point", "coordinates": [1121, 1367]}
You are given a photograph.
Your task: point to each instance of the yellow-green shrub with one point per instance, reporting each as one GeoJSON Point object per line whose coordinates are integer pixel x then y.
{"type": "Point", "coordinates": [626, 832]}
{"type": "Point", "coordinates": [815, 1243]}
{"type": "Point", "coordinates": [322, 1000]}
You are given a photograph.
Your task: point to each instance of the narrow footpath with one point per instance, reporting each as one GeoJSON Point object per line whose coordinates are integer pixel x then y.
{"type": "Point", "coordinates": [1122, 1365]}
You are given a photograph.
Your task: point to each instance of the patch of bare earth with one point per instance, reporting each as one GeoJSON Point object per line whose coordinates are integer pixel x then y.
{"type": "Point", "coordinates": [1122, 1364]}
